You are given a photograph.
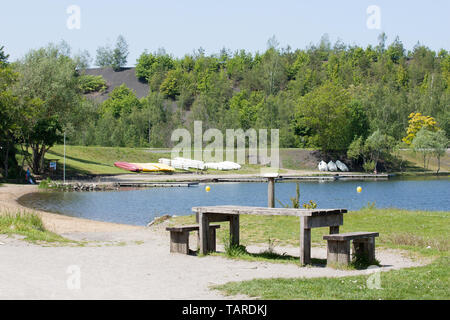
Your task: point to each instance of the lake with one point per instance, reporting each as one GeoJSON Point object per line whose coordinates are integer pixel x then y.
{"type": "Point", "coordinates": [140, 206]}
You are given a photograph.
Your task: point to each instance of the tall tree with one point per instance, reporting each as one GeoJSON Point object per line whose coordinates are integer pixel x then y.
{"type": "Point", "coordinates": [326, 112]}
{"type": "Point", "coordinates": [48, 92]}
{"type": "Point", "coordinates": [8, 116]}
{"type": "Point", "coordinates": [120, 53]}
{"type": "Point", "coordinates": [115, 58]}
{"type": "Point", "coordinates": [430, 143]}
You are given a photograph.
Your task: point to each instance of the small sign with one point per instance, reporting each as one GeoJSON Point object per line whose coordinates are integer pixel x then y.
{"type": "Point", "coordinates": [53, 165]}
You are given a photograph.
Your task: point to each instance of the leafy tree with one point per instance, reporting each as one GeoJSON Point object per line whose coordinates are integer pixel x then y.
{"type": "Point", "coordinates": [48, 92]}
{"type": "Point", "coordinates": [417, 121]}
{"type": "Point", "coordinates": [445, 65]}
{"type": "Point", "coordinates": [396, 51]}
{"type": "Point", "coordinates": [430, 143]}
{"type": "Point", "coordinates": [83, 60]}
{"type": "Point", "coordinates": [104, 56]}
{"type": "Point", "coordinates": [120, 53]}
{"type": "Point", "coordinates": [154, 67]}
{"type": "Point", "coordinates": [91, 83]}
{"type": "Point", "coordinates": [122, 100]}
{"type": "Point", "coordinates": [3, 57]}
{"type": "Point", "coordinates": [371, 150]}
{"type": "Point", "coordinates": [8, 117]}
{"type": "Point", "coordinates": [246, 108]}
{"type": "Point", "coordinates": [326, 111]}
{"type": "Point", "coordinates": [439, 145]}
{"type": "Point", "coordinates": [377, 145]}
{"type": "Point", "coordinates": [115, 58]}
{"type": "Point", "coordinates": [356, 150]}
{"type": "Point", "coordinates": [144, 66]}
{"type": "Point", "coordinates": [238, 65]}
{"type": "Point", "coordinates": [170, 87]}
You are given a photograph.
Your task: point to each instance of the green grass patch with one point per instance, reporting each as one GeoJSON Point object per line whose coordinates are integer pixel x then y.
{"type": "Point", "coordinates": [424, 232]}
{"type": "Point", "coordinates": [30, 226]}
{"type": "Point", "coordinates": [91, 160]}
{"type": "Point", "coordinates": [414, 162]}
{"type": "Point", "coordinates": [428, 282]}
{"type": "Point", "coordinates": [100, 160]}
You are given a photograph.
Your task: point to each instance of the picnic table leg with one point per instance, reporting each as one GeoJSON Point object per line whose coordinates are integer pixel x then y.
{"type": "Point", "coordinates": [334, 230]}
{"type": "Point", "coordinates": [305, 242]}
{"type": "Point", "coordinates": [234, 229]}
{"type": "Point", "coordinates": [203, 232]}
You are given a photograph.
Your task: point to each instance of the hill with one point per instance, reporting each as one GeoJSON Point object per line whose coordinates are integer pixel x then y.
{"type": "Point", "coordinates": [114, 79]}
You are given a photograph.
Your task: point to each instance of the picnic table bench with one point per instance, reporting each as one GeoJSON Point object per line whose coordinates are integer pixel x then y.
{"type": "Point", "coordinates": [338, 246]}
{"type": "Point", "coordinates": [309, 218]}
{"type": "Point", "coordinates": [179, 237]}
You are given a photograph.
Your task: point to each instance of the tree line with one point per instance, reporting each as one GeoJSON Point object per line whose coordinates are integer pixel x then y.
{"type": "Point", "coordinates": [337, 98]}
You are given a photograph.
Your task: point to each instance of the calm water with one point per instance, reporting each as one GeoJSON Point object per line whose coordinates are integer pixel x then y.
{"type": "Point", "coordinates": [138, 207]}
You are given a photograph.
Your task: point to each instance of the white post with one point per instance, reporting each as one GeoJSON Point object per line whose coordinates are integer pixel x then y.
{"type": "Point", "coordinates": [64, 171]}
{"type": "Point", "coordinates": [271, 188]}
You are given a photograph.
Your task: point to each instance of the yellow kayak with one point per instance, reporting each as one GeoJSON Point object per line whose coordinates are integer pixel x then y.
{"type": "Point", "coordinates": [163, 167]}
{"type": "Point", "coordinates": [153, 167]}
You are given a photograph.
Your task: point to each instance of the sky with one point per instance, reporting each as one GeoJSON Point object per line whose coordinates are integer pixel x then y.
{"type": "Point", "coordinates": [181, 27]}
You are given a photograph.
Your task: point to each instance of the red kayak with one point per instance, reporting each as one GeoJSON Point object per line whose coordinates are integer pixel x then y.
{"type": "Point", "coordinates": [128, 166]}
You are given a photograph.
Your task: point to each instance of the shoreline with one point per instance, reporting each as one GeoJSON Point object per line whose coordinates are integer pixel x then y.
{"type": "Point", "coordinates": [58, 223]}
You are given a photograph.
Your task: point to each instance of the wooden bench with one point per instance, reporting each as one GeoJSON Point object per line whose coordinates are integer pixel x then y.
{"type": "Point", "coordinates": [338, 246]}
{"type": "Point", "coordinates": [179, 237]}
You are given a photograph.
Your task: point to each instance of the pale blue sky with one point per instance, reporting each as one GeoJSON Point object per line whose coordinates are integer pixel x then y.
{"type": "Point", "coordinates": [183, 26]}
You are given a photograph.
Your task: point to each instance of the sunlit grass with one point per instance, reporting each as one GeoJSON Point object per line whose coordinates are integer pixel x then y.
{"type": "Point", "coordinates": [428, 282]}
{"type": "Point", "coordinates": [30, 226]}
{"type": "Point", "coordinates": [425, 232]}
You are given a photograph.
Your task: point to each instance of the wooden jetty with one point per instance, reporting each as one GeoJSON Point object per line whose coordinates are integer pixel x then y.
{"type": "Point", "coordinates": [157, 184]}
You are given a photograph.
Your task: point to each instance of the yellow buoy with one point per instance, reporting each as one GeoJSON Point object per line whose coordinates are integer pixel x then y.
{"type": "Point", "coordinates": [359, 189]}
{"type": "Point", "coordinates": [207, 188]}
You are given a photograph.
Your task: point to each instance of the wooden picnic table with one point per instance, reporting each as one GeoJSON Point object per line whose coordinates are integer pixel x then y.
{"type": "Point", "coordinates": [309, 218]}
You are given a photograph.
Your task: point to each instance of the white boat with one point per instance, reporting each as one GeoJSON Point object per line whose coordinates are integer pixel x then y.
{"type": "Point", "coordinates": [224, 165]}
{"type": "Point", "coordinates": [323, 166]}
{"type": "Point", "coordinates": [332, 166]}
{"type": "Point", "coordinates": [185, 164]}
{"type": "Point", "coordinates": [341, 166]}
{"type": "Point", "coordinates": [182, 163]}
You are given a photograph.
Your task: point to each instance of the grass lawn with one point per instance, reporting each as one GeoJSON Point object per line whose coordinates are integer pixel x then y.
{"type": "Point", "coordinates": [422, 233]}
{"type": "Point", "coordinates": [99, 160]}
{"type": "Point", "coordinates": [428, 282]}
{"type": "Point", "coordinates": [414, 162]}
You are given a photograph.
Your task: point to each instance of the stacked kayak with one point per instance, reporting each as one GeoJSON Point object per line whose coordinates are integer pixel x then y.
{"type": "Point", "coordinates": [186, 164]}
{"type": "Point", "coordinates": [224, 165]}
{"type": "Point", "coordinates": [183, 163]}
{"type": "Point", "coordinates": [127, 166]}
{"type": "Point", "coordinates": [144, 167]}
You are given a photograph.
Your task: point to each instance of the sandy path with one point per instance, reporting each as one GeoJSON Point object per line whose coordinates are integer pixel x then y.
{"type": "Point", "coordinates": [125, 262]}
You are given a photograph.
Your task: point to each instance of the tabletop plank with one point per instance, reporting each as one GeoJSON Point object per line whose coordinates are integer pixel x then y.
{"type": "Point", "coordinates": [264, 211]}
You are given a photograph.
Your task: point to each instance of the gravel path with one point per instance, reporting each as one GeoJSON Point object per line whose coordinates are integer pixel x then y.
{"type": "Point", "coordinates": [125, 262]}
